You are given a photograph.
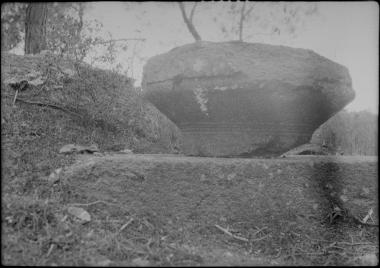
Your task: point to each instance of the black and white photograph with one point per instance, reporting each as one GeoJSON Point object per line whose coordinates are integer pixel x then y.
{"type": "Point", "coordinates": [189, 133]}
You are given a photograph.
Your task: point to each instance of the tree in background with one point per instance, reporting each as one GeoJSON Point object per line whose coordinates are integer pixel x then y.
{"type": "Point", "coordinates": [63, 29]}
{"type": "Point", "coordinates": [188, 19]}
{"type": "Point", "coordinates": [270, 18]}
{"type": "Point", "coordinates": [35, 28]}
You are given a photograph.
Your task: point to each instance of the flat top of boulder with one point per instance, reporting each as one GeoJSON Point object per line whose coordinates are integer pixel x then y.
{"type": "Point", "coordinates": [256, 61]}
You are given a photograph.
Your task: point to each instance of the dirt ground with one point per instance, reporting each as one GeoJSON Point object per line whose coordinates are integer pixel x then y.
{"type": "Point", "coordinates": [170, 210]}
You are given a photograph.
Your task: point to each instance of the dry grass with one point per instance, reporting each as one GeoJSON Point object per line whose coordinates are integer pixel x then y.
{"type": "Point", "coordinates": [38, 230]}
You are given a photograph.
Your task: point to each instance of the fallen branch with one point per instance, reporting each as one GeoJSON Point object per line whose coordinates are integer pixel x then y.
{"type": "Point", "coordinates": [365, 223]}
{"type": "Point", "coordinates": [50, 250]}
{"type": "Point", "coordinates": [230, 234]}
{"type": "Point", "coordinates": [342, 242]}
{"type": "Point", "coordinates": [89, 204]}
{"type": "Point", "coordinates": [261, 238]}
{"type": "Point", "coordinates": [126, 225]}
{"type": "Point", "coordinates": [118, 40]}
{"type": "Point", "coordinates": [259, 230]}
{"type": "Point", "coordinates": [15, 98]}
{"type": "Point", "coordinates": [49, 105]}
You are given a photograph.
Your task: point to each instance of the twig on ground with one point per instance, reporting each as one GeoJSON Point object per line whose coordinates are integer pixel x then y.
{"type": "Point", "coordinates": [278, 254]}
{"type": "Point", "coordinates": [126, 225]}
{"type": "Point", "coordinates": [89, 204]}
{"type": "Point", "coordinates": [340, 242]}
{"type": "Point", "coordinates": [333, 246]}
{"type": "Point", "coordinates": [230, 234]}
{"type": "Point", "coordinates": [328, 260]}
{"type": "Point", "coordinates": [15, 98]}
{"type": "Point", "coordinates": [365, 223]}
{"type": "Point", "coordinates": [49, 105]}
{"type": "Point", "coordinates": [310, 253]}
{"type": "Point", "coordinates": [50, 250]}
{"type": "Point", "coordinates": [261, 238]}
{"type": "Point", "coordinates": [355, 244]}
{"type": "Point", "coordinates": [259, 230]}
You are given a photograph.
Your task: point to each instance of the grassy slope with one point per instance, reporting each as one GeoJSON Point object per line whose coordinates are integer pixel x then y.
{"type": "Point", "coordinates": [106, 110]}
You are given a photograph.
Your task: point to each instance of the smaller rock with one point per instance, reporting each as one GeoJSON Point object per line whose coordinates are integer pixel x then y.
{"type": "Point", "coordinates": [67, 149]}
{"type": "Point", "coordinates": [126, 151]}
{"type": "Point", "coordinates": [104, 262]}
{"type": "Point", "coordinates": [369, 259]}
{"type": "Point", "coordinates": [365, 190]}
{"type": "Point", "coordinates": [73, 148]}
{"type": "Point", "coordinates": [80, 213]}
{"type": "Point", "coordinates": [228, 254]}
{"type": "Point", "coordinates": [231, 176]}
{"type": "Point", "coordinates": [97, 260]}
{"type": "Point", "coordinates": [140, 262]}
{"type": "Point", "coordinates": [54, 176]}
{"type": "Point", "coordinates": [344, 198]}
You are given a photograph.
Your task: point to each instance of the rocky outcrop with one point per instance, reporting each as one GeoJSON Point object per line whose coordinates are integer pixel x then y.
{"type": "Point", "coordinates": [245, 99]}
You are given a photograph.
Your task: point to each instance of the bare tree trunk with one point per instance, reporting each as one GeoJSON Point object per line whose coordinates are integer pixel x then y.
{"type": "Point", "coordinates": [35, 28]}
{"type": "Point", "coordinates": [80, 15]}
{"type": "Point", "coordinates": [189, 23]}
{"type": "Point", "coordinates": [241, 24]}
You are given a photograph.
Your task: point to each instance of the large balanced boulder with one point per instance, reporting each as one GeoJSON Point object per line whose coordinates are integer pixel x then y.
{"type": "Point", "coordinates": [245, 99]}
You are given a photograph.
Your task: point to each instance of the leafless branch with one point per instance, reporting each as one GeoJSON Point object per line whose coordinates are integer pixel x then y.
{"type": "Point", "coordinates": [249, 10]}
{"type": "Point", "coordinates": [49, 105]}
{"type": "Point", "coordinates": [192, 12]}
{"type": "Point", "coordinates": [126, 225]}
{"type": "Point", "coordinates": [118, 40]}
{"type": "Point", "coordinates": [189, 24]}
{"type": "Point", "coordinates": [230, 234]}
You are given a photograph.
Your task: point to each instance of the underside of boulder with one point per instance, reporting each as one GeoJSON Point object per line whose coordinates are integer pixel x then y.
{"type": "Point", "coordinates": [245, 99]}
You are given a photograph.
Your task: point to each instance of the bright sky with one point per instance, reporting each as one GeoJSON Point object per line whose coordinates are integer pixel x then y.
{"type": "Point", "coordinates": [345, 32]}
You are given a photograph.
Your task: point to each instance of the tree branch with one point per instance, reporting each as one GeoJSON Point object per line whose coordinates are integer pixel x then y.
{"type": "Point", "coordinates": [49, 105]}
{"type": "Point", "coordinates": [189, 24]}
{"type": "Point", "coordinates": [192, 12]}
{"type": "Point", "coordinates": [118, 40]}
{"type": "Point", "coordinates": [249, 10]}
{"type": "Point", "coordinates": [241, 23]}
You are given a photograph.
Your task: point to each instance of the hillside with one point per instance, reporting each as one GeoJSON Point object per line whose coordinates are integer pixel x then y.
{"type": "Point", "coordinates": [67, 104]}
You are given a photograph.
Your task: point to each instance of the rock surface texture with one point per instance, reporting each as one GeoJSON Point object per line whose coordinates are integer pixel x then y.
{"type": "Point", "coordinates": [245, 99]}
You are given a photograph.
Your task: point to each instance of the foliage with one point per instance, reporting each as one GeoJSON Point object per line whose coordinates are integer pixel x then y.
{"type": "Point", "coordinates": [352, 133]}
{"type": "Point", "coordinates": [12, 24]}
{"type": "Point", "coordinates": [270, 18]}
{"type": "Point", "coordinates": [69, 34]}
{"type": "Point", "coordinates": [246, 20]}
